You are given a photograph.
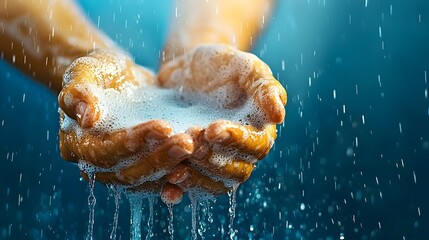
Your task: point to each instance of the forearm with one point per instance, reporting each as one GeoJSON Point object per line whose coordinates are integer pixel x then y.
{"type": "Point", "coordinates": [42, 37]}
{"type": "Point", "coordinates": [233, 22]}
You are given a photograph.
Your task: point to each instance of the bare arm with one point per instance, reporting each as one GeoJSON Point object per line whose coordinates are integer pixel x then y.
{"type": "Point", "coordinates": [42, 37]}
{"type": "Point", "coordinates": [235, 23]}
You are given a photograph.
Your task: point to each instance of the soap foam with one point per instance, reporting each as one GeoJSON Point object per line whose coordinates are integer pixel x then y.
{"type": "Point", "coordinates": [179, 108]}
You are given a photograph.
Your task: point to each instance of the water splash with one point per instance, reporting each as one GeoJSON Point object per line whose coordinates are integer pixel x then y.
{"type": "Point", "coordinates": [91, 203]}
{"type": "Point", "coordinates": [117, 194]}
{"type": "Point", "coordinates": [231, 210]}
{"type": "Point", "coordinates": [149, 235]}
{"type": "Point", "coordinates": [136, 216]}
{"type": "Point", "coordinates": [170, 221]}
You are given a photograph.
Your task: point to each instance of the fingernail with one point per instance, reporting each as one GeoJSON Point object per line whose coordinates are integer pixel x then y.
{"type": "Point", "coordinates": [156, 135]}
{"type": "Point", "coordinates": [80, 110]}
{"type": "Point", "coordinates": [177, 152]}
{"type": "Point", "coordinates": [221, 137]}
{"type": "Point", "coordinates": [84, 114]}
{"type": "Point", "coordinates": [178, 175]}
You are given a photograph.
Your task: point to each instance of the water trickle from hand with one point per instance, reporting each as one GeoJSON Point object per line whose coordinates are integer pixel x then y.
{"type": "Point", "coordinates": [136, 216]}
{"type": "Point", "coordinates": [151, 200]}
{"type": "Point", "coordinates": [231, 210]}
{"type": "Point", "coordinates": [209, 213]}
{"type": "Point", "coordinates": [170, 221]}
{"type": "Point", "coordinates": [194, 206]}
{"type": "Point", "coordinates": [117, 195]}
{"type": "Point", "coordinates": [205, 213]}
{"type": "Point", "coordinates": [91, 203]}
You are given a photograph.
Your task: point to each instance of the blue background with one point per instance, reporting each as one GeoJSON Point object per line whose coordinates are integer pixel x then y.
{"type": "Point", "coordinates": [360, 172]}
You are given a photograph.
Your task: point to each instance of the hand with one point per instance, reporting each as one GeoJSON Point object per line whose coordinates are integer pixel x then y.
{"type": "Point", "coordinates": [83, 85]}
{"type": "Point", "coordinates": [245, 78]}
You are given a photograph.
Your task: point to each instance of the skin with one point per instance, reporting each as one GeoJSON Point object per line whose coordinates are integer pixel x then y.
{"type": "Point", "coordinates": [43, 37]}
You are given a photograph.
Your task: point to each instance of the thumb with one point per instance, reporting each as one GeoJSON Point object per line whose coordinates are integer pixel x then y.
{"type": "Point", "coordinates": [79, 96]}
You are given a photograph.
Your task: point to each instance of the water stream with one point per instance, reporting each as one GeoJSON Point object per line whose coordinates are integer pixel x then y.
{"type": "Point", "coordinates": [117, 195]}
{"type": "Point", "coordinates": [232, 205]}
{"type": "Point", "coordinates": [136, 216]}
{"type": "Point", "coordinates": [170, 221]}
{"type": "Point", "coordinates": [151, 201]}
{"type": "Point", "coordinates": [91, 204]}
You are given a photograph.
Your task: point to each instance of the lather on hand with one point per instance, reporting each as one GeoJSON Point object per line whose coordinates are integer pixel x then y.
{"type": "Point", "coordinates": [79, 101]}
{"type": "Point", "coordinates": [243, 76]}
{"type": "Point", "coordinates": [83, 81]}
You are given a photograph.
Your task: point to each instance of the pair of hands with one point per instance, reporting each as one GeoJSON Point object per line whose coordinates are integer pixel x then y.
{"type": "Point", "coordinates": [180, 162]}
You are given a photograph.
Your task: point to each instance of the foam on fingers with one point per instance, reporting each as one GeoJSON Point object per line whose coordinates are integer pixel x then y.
{"type": "Point", "coordinates": [245, 138]}
{"type": "Point", "coordinates": [171, 194]}
{"type": "Point", "coordinates": [165, 157]}
{"type": "Point", "coordinates": [188, 178]}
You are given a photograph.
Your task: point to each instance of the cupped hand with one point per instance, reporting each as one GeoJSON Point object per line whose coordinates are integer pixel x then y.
{"type": "Point", "coordinates": [151, 146]}
{"type": "Point", "coordinates": [236, 80]}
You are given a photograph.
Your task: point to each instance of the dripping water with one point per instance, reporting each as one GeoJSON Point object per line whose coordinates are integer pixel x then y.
{"type": "Point", "coordinates": [205, 213]}
{"type": "Point", "coordinates": [209, 213]}
{"type": "Point", "coordinates": [136, 216]}
{"type": "Point", "coordinates": [117, 195]}
{"type": "Point", "coordinates": [170, 221]}
{"type": "Point", "coordinates": [231, 210]}
{"type": "Point", "coordinates": [194, 205]}
{"type": "Point", "coordinates": [91, 203]}
{"type": "Point", "coordinates": [151, 200]}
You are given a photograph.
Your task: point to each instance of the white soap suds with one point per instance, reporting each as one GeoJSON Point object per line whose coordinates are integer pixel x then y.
{"type": "Point", "coordinates": [180, 109]}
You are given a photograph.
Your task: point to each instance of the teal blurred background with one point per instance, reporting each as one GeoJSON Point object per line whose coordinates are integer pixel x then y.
{"type": "Point", "coordinates": [351, 160]}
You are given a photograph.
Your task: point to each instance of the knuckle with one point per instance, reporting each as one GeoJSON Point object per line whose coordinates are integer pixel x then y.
{"type": "Point", "coordinates": [80, 69]}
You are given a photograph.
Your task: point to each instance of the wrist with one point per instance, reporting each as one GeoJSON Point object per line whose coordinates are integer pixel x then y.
{"type": "Point", "coordinates": [183, 40]}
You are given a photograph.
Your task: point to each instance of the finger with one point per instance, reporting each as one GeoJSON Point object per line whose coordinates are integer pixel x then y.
{"type": "Point", "coordinates": [166, 156]}
{"type": "Point", "coordinates": [246, 138]}
{"type": "Point", "coordinates": [108, 149]}
{"type": "Point", "coordinates": [151, 187]}
{"type": "Point", "coordinates": [170, 75]}
{"type": "Point", "coordinates": [103, 177]}
{"type": "Point", "coordinates": [236, 170]}
{"type": "Point", "coordinates": [80, 103]}
{"type": "Point", "coordinates": [188, 178]}
{"type": "Point", "coordinates": [66, 150]}
{"type": "Point", "coordinates": [203, 157]}
{"type": "Point", "coordinates": [201, 146]}
{"type": "Point", "coordinates": [268, 93]}
{"type": "Point", "coordinates": [171, 194]}
{"type": "Point", "coordinates": [79, 97]}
